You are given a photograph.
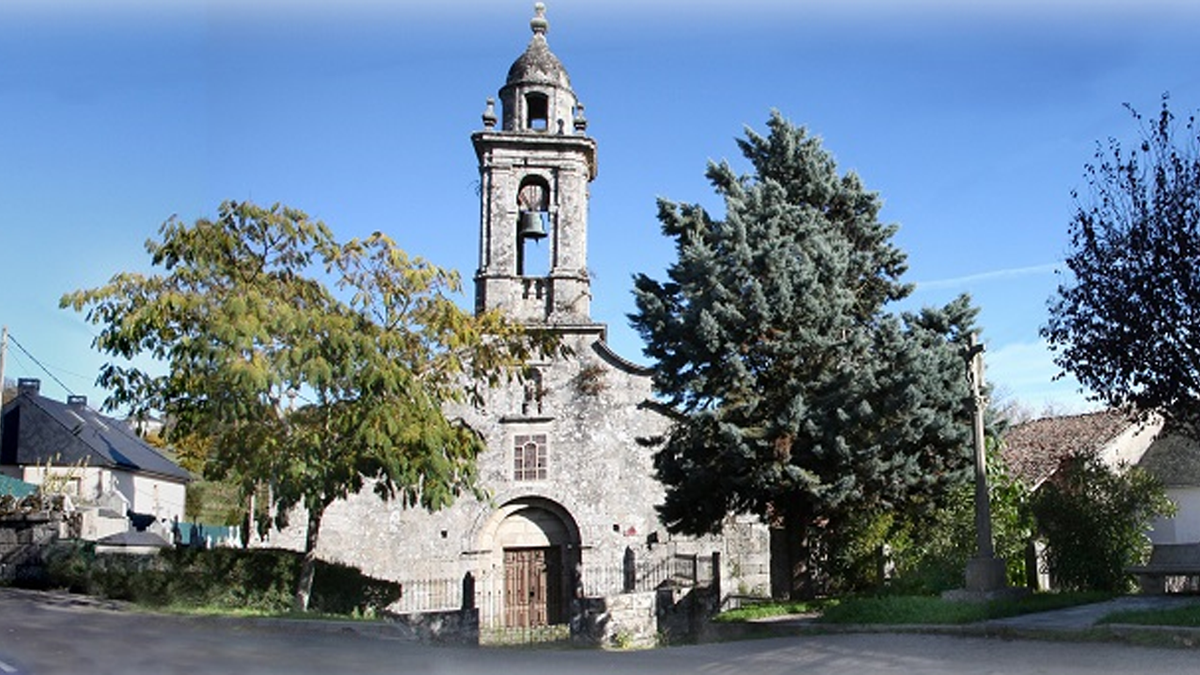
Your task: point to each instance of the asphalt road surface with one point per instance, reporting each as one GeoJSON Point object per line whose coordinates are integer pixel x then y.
{"type": "Point", "coordinates": [51, 634]}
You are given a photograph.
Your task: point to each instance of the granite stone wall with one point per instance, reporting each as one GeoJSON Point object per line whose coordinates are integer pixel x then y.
{"type": "Point", "coordinates": [593, 413]}
{"type": "Point", "coordinates": [23, 538]}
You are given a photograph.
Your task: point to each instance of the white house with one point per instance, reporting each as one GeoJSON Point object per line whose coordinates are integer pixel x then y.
{"type": "Point", "coordinates": [99, 462]}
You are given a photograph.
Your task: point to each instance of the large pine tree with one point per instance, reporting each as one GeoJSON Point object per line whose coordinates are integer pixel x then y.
{"type": "Point", "coordinates": [800, 398]}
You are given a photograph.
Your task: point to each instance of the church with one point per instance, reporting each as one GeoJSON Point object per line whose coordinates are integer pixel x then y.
{"type": "Point", "coordinates": [570, 477]}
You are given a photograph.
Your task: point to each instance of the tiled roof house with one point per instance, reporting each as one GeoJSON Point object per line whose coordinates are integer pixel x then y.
{"type": "Point", "coordinates": [1034, 450]}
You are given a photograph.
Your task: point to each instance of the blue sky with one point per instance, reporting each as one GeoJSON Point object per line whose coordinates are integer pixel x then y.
{"type": "Point", "coordinates": [973, 125]}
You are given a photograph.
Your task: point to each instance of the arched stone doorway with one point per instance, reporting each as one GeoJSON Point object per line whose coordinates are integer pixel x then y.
{"type": "Point", "coordinates": [535, 542]}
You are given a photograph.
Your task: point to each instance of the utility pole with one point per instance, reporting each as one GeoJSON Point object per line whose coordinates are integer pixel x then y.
{"type": "Point", "coordinates": [3, 351]}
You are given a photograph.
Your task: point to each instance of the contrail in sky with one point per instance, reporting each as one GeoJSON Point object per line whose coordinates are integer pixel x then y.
{"type": "Point", "coordinates": [983, 277]}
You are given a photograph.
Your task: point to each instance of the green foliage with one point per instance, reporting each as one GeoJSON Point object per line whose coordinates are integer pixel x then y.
{"type": "Point", "coordinates": [857, 551]}
{"type": "Point", "coordinates": [799, 398]}
{"type": "Point", "coordinates": [1094, 519]}
{"type": "Point", "coordinates": [214, 503]}
{"type": "Point", "coordinates": [221, 579]}
{"type": "Point", "coordinates": [765, 610]}
{"type": "Point", "coordinates": [1124, 322]}
{"type": "Point", "coordinates": [301, 363]}
{"type": "Point", "coordinates": [931, 553]}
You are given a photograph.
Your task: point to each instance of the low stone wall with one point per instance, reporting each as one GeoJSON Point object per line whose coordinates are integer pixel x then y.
{"type": "Point", "coordinates": [625, 620]}
{"type": "Point", "coordinates": [460, 626]}
{"type": "Point", "coordinates": [637, 620]}
{"type": "Point", "coordinates": [23, 537]}
{"type": "Point", "coordinates": [684, 612]}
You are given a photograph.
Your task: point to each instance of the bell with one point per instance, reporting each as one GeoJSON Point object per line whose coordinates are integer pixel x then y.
{"type": "Point", "coordinates": [529, 226]}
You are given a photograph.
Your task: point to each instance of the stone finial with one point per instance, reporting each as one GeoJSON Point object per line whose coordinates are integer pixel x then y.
{"type": "Point", "coordinates": [538, 23]}
{"type": "Point", "coordinates": [489, 114]}
{"type": "Point", "coordinates": [580, 120]}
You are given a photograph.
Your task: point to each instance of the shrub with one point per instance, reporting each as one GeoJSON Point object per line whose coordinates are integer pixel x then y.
{"type": "Point", "coordinates": [1094, 519]}
{"type": "Point", "coordinates": [258, 580]}
{"type": "Point", "coordinates": [930, 550]}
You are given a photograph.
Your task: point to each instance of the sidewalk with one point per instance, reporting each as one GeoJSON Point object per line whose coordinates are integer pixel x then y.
{"type": "Point", "coordinates": [1082, 617]}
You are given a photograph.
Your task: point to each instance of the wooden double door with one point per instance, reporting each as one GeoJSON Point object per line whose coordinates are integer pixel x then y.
{"type": "Point", "coordinates": [533, 586]}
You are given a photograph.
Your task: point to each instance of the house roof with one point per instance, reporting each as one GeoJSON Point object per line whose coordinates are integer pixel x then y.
{"type": "Point", "coordinates": [40, 430]}
{"type": "Point", "coordinates": [1034, 450]}
{"type": "Point", "coordinates": [134, 539]}
{"type": "Point", "coordinates": [1174, 459]}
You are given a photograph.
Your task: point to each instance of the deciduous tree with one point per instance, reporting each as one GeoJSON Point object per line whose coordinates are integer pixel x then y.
{"type": "Point", "coordinates": [303, 364]}
{"type": "Point", "coordinates": [799, 398]}
{"type": "Point", "coordinates": [1126, 319]}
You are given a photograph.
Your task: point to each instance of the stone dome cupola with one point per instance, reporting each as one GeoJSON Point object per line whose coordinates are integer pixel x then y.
{"type": "Point", "coordinates": [537, 95]}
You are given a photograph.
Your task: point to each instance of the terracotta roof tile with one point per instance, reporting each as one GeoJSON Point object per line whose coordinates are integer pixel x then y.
{"type": "Point", "coordinates": [1034, 450]}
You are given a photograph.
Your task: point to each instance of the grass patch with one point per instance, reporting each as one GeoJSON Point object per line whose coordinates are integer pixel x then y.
{"type": "Point", "coordinates": [910, 609]}
{"type": "Point", "coordinates": [764, 610]}
{"type": "Point", "coordinates": [895, 610]}
{"type": "Point", "coordinates": [1176, 616]}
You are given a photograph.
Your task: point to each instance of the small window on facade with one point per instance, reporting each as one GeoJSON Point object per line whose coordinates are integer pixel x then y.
{"type": "Point", "coordinates": [537, 110]}
{"type": "Point", "coordinates": [529, 457]}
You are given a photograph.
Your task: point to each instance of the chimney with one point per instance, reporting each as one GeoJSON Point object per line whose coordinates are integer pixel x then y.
{"type": "Point", "coordinates": [77, 401]}
{"type": "Point", "coordinates": [29, 385]}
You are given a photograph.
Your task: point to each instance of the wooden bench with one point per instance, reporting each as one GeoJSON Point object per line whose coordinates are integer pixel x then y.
{"type": "Point", "coordinates": [1167, 560]}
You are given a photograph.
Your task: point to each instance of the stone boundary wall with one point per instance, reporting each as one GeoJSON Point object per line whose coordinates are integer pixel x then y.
{"type": "Point", "coordinates": [624, 620]}
{"type": "Point", "coordinates": [668, 615]}
{"type": "Point", "coordinates": [23, 537]}
{"type": "Point", "coordinates": [458, 626]}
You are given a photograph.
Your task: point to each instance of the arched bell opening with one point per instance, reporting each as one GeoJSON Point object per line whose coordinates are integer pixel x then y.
{"type": "Point", "coordinates": [533, 205]}
{"type": "Point", "coordinates": [537, 111]}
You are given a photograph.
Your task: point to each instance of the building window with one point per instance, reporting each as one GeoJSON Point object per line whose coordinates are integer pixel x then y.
{"type": "Point", "coordinates": [529, 458]}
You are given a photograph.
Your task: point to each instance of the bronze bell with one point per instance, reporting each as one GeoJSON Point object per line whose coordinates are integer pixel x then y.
{"type": "Point", "coordinates": [529, 226]}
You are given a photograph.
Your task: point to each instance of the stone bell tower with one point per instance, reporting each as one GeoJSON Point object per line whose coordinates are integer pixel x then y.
{"type": "Point", "coordinates": [534, 173]}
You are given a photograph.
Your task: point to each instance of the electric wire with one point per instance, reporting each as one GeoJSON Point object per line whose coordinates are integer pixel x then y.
{"type": "Point", "coordinates": [54, 377]}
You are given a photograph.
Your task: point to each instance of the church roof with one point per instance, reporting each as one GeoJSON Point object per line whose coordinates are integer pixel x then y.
{"type": "Point", "coordinates": [538, 65]}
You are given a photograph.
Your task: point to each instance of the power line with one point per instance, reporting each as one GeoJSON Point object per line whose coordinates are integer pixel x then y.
{"type": "Point", "coordinates": [40, 364]}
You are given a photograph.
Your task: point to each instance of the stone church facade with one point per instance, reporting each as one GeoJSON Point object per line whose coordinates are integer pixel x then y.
{"type": "Point", "coordinates": [572, 491]}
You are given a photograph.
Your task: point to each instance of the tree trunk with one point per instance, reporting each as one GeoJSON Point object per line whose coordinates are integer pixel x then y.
{"type": "Point", "coordinates": [791, 557]}
{"type": "Point", "coordinates": [309, 565]}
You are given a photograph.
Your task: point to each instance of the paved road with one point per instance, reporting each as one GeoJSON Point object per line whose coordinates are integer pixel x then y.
{"type": "Point", "coordinates": [47, 635]}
